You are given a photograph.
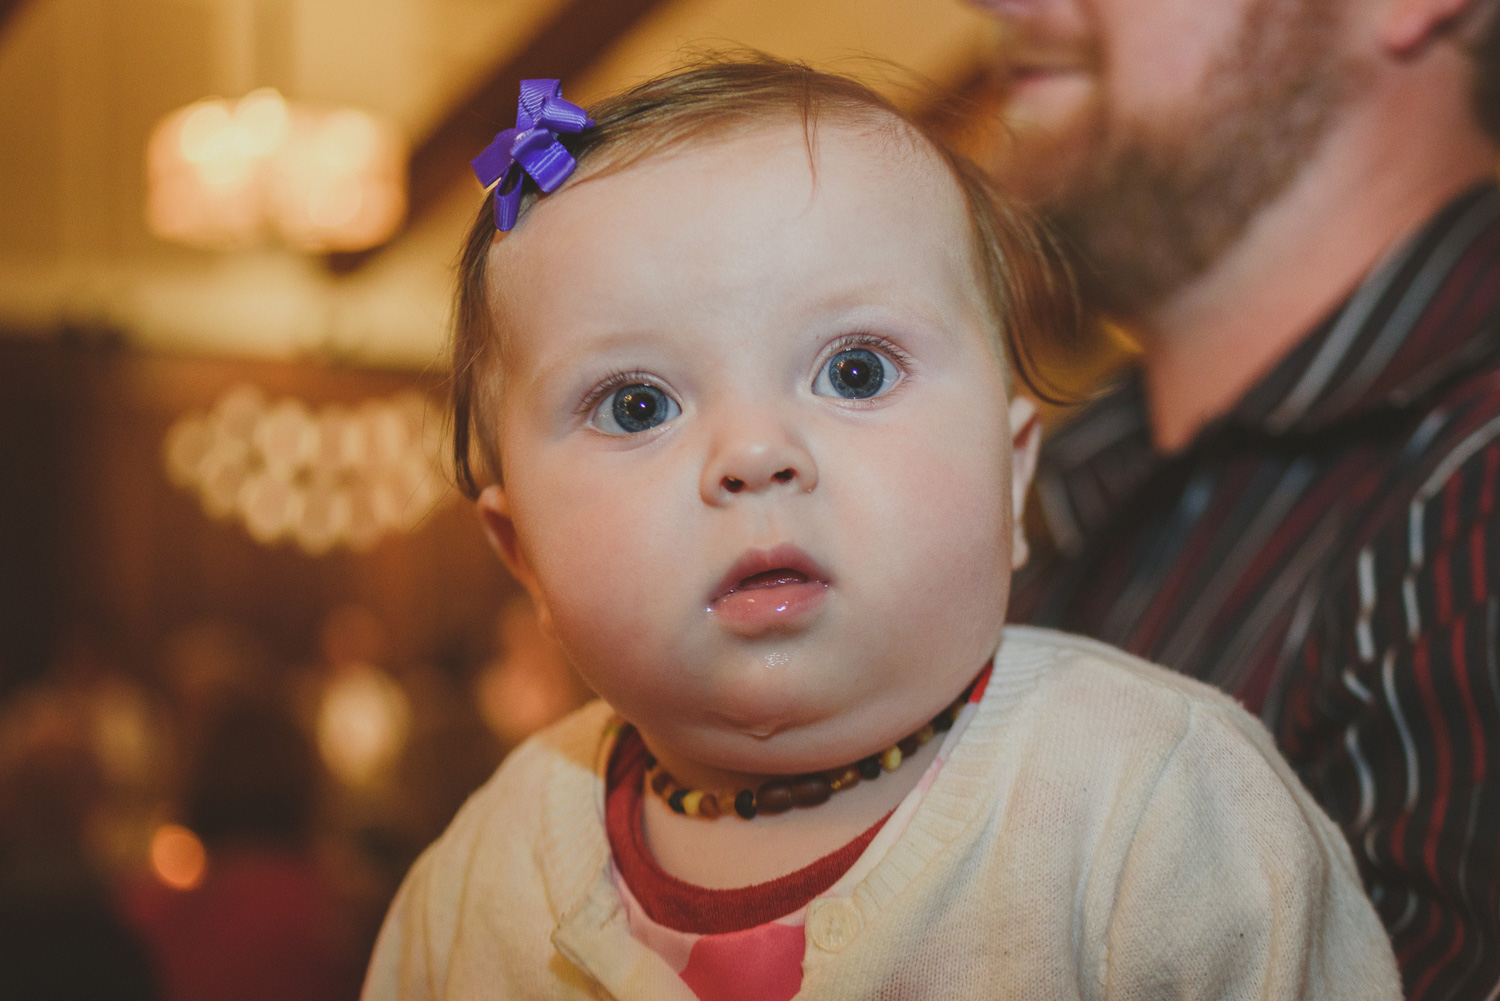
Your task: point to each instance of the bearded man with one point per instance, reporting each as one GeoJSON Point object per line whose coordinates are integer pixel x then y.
{"type": "Point", "coordinates": [1291, 205]}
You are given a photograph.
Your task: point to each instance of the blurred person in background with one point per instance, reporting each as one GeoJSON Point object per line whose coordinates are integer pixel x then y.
{"type": "Point", "coordinates": [1291, 205]}
{"type": "Point", "coordinates": [206, 664]}
{"type": "Point", "coordinates": [61, 937]}
{"type": "Point", "coordinates": [256, 921]}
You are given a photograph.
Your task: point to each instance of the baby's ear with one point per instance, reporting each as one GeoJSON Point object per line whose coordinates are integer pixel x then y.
{"type": "Point", "coordinates": [1025, 445]}
{"type": "Point", "coordinates": [494, 515]}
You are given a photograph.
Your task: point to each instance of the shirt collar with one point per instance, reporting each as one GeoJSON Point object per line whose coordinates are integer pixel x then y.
{"type": "Point", "coordinates": [1418, 317]}
{"type": "Point", "coordinates": [1429, 309]}
{"type": "Point", "coordinates": [1424, 312]}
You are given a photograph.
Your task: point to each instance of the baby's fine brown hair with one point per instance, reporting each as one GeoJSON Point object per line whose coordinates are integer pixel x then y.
{"type": "Point", "coordinates": [1024, 275]}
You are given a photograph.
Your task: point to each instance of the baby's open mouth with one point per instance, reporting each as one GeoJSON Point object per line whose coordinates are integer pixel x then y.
{"type": "Point", "coordinates": [769, 589]}
{"type": "Point", "coordinates": [771, 578]}
{"type": "Point", "coordinates": [778, 566]}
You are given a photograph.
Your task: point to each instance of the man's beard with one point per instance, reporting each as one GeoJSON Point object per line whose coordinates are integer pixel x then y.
{"type": "Point", "coordinates": [1159, 204]}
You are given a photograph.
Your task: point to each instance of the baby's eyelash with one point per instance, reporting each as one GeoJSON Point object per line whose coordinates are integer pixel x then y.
{"type": "Point", "coordinates": [868, 340]}
{"type": "Point", "coordinates": [610, 383]}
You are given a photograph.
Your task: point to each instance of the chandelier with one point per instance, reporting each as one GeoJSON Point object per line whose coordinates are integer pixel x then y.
{"type": "Point", "coordinates": [326, 478]}
{"type": "Point", "coordinates": [226, 174]}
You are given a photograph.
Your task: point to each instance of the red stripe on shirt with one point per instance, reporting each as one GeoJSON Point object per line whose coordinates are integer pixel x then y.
{"type": "Point", "coordinates": [1442, 751]}
{"type": "Point", "coordinates": [1477, 746]}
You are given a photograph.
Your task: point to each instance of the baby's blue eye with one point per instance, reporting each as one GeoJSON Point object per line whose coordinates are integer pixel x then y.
{"type": "Point", "coordinates": [854, 374]}
{"type": "Point", "coordinates": [633, 409]}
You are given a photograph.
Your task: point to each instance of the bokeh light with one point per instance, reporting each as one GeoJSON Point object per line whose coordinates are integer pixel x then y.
{"type": "Point", "coordinates": [530, 684]}
{"type": "Point", "coordinates": [224, 174]}
{"type": "Point", "coordinates": [177, 857]}
{"type": "Point", "coordinates": [363, 723]}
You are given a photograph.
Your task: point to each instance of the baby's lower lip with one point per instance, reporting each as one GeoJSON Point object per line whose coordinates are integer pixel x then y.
{"type": "Point", "coordinates": [768, 602]}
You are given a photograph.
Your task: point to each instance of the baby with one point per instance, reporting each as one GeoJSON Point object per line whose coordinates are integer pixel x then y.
{"type": "Point", "coordinates": [741, 389]}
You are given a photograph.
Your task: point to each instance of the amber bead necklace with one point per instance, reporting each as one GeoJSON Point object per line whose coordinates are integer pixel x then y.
{"type": "Point", "coordinates": [779, 795]}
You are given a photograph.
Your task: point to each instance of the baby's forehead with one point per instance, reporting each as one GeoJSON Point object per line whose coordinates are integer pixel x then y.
{"type": "Point", "coordinates": [739, 188]}
{"type": "Point", "coordinates": [878, 140]}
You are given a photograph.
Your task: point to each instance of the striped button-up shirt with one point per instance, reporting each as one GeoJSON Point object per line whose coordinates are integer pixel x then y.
{"type": "Point", "coordinates": [1329, 553]}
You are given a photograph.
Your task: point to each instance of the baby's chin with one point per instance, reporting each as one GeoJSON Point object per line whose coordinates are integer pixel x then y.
{"type": "Point", "coordinates": [789, 751]}
{"type": "Point", "coordinates": [786, 740]}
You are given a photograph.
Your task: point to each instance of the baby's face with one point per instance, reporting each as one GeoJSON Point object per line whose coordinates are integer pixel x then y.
{"type": "Point", "coordinates": [755, 442]}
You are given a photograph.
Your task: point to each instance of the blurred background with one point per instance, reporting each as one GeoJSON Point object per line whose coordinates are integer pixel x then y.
{"type": "Point", "coordinates": [254, 652]}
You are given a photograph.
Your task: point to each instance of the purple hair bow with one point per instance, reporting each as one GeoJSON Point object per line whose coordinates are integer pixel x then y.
{"type": "Point", "coordinates": [531, 147]}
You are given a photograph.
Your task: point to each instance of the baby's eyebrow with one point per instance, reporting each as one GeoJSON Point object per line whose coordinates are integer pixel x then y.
{"type": "Point", "coordinates": [620, 342]}
{"type": "Point", "coordinates": [878, 305]}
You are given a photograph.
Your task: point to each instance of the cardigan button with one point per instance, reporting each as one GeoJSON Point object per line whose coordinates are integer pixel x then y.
{"type": "Point", "coordinates": [832, 923]}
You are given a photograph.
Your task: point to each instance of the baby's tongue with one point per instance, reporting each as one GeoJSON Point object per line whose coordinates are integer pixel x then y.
{"type": "Point", "coordinates": [771, 578]}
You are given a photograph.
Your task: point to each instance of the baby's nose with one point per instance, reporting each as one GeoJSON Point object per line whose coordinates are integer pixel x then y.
{"type": "Point", "coordinates": [734, 484]}
{"type": "Point", "coordinates": [755, 463]}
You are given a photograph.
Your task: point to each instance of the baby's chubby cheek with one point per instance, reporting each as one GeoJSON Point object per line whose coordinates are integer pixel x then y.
{"type": "Point", "coordinates": [944, 568]}
{"type": "Point", "coordinates": [603, 563]}
{"type": "Point", "coordinates": [617, 570]}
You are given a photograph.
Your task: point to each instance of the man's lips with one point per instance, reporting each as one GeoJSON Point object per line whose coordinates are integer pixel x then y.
{"type": "Point", "coordinates": [1024, 69]}
{"type": "Point", "coordinates": [1045, 92]}
{"type": "Point", "coordinates": [1024, 73]}
{"type": "Point", "coordinates": [1026, 55]}
{"type": "Point", "coordinates": [769, 589]}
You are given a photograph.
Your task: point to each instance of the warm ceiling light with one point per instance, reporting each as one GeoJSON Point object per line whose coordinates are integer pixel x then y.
{"type": "Point", "coordinates": [226, 174]}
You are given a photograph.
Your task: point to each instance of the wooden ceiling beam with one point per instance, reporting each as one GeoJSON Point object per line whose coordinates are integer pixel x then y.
{"type": "Point", "coordinates": [564, 48]}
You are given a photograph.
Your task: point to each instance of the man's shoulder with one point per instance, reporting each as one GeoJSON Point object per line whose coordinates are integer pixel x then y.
{"type": "Point", "coordinates": [1450, 453]}
{"type": "Point", "coordinates": [1471, 387]}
